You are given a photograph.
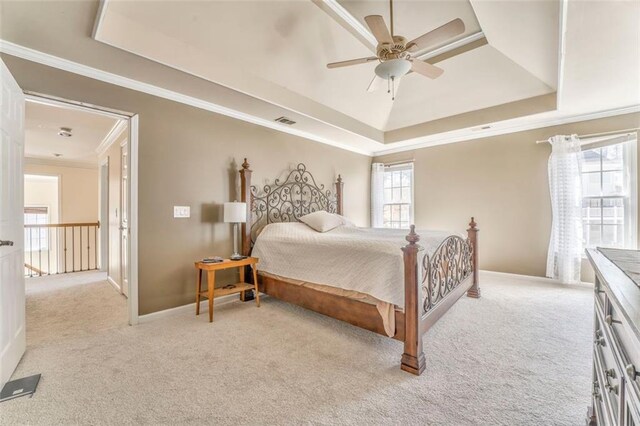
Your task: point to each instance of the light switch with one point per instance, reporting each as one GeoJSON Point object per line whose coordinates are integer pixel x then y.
{"type": "Point", "coordinates": [181, 211]}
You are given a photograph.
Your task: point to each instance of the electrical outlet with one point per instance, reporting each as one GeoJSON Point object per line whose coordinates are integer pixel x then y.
{"type": "Point", "coordinates": [181, 211]}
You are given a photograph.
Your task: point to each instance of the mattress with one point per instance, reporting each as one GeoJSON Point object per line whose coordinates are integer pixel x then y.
{"type": "Point", "coordinates": [364, 260]}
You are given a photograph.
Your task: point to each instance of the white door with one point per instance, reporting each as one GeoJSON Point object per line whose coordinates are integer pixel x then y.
{"type": "Point", "coordinates": [12, 310]}
{"type": "Point", "coordinates": [124, 218]}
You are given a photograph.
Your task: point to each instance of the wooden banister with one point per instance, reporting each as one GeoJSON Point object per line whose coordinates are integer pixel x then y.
{"type": "Point", "coordinates": [57, 248]}
{"type": "Point", "coordinates": [63, 225]}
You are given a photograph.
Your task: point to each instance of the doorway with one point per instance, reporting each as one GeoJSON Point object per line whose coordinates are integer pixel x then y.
{"type": "Point", "coordinates": [116, 163]}
{"type": "Point", "coordinates": [12, 215]}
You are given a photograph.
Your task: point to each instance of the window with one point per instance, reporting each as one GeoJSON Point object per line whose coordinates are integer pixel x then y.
{"type": "Point", "coordinates": [609, 195]}
{"type": "Point", "coordinates": [36, 239]}
{"type": "Point", "coordinates": [397, 209]}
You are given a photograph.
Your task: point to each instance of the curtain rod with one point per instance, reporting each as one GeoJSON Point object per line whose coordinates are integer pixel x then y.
{"type": "Point", "coordinates": [594, 135]}
{"type": "Point", "coordinates": [395, 163]}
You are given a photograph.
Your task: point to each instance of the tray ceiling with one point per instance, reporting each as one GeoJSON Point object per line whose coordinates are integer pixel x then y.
{"type": "Point", "coordinates": [277, 51]}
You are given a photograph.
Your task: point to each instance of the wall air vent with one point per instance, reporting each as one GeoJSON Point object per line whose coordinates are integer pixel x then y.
{"type": "Point", "coordinates": [285, 120]}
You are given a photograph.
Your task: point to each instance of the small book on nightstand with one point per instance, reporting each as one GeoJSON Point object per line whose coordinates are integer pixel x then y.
{"type": "Point", "coordinates": [214, 259]}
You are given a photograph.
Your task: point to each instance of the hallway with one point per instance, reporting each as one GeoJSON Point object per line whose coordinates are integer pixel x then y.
{"type": "Point", "coordinates": [69, 306]}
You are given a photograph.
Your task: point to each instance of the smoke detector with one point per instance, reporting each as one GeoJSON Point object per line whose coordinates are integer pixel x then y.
{"type": "Point", "coordinates": [65, 132]}
{"type": "Point", "coordinates": [57, 154]}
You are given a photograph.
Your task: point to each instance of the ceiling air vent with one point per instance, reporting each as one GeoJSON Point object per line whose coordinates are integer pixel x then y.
{"type": "Point", "coordinates": [285, 120]}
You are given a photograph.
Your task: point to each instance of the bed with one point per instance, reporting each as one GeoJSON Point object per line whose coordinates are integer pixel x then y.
{"type": "Point", "coordinates": [378, 279]}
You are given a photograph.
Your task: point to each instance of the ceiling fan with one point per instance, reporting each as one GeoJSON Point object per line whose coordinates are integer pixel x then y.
{"type": "Point", "coordinates": [394, 51]}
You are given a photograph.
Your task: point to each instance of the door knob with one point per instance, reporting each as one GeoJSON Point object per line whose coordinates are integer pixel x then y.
{"type": "Point", "coordinates": [6, 243]}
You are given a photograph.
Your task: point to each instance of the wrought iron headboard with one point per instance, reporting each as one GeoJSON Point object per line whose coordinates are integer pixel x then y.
{"type": "Point", "coordinates": [288, 199]}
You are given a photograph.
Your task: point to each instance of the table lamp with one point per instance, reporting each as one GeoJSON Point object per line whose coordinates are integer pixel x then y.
{"type": "Point", "coordinates": [235, 213]}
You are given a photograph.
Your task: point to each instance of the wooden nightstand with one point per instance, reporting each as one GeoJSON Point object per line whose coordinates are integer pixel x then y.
{"type": "Point", "coordinates": [211, 292]}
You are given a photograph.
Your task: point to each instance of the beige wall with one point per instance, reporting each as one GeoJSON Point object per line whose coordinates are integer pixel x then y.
{"type": "Point", "coordinates": [78, 190]}
{"type": "Point", "coordinates": [502, 181]}
{"type": "Point", "coordinates": [190, 157]}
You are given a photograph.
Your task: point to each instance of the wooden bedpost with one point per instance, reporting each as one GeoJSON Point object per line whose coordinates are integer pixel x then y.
{"type": "Point", "coordinates": [339, 187]}
{"type": "Point", "coordinates": [472, 233]}
{"type": "Point", "coordinates": [245, 197]}
{"type": "Point", "coordinates": [413, 357]}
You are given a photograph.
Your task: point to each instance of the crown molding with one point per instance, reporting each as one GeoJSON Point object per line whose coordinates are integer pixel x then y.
{"type": "Point", "coordinates": [502, 128]}
{"type": "Point", "coordinates": [36, 56]}
{"type": "Point", "coordinates": [111, 137]}
{"type": "Point", "coordinates": [459, 135]}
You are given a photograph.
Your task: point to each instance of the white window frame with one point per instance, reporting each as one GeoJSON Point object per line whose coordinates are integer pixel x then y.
{"type": "Point", "coordinates": [630, 171]}
{"type": "Point", "coordinates": [39, 231]}
{"type": "Point", "coordinates": [400, 167]}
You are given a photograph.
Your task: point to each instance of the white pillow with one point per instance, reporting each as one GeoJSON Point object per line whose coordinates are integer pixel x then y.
{"type": "Point", "coordinates": [345, 221]}
{"type": "Point", "coordinates": [322, 221]}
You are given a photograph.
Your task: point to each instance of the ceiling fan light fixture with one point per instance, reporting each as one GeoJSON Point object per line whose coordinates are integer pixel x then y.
{"type": "Point", "coordinates": [393, 68]}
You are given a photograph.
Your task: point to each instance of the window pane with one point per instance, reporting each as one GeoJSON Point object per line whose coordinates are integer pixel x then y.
{"type": "Point", "coordinates": [593, 235]}
{"type": "Point", "coordinates": [386, 213]}
{"type": "Point", "coordinates": [396, 178]}
{"type": "Point", "coordinates": [612, 235]}
{"type": "Point", "coordinates": [395, 212]}
{"type": "Point", "coordinates": [387, 195]}
{"type": "Point", "coordinates": [406, 177]}
{"type": "Point", "coordinates": [612, 157]}
{"type": "Point", "coordinates": [396, 195]}
{"type": "Point", "coordinates": [613, 211]}
{"type": "Point", "coordinates": [591, 210]}
{"type": "Point", "coordinates": [406, 195]}
{"type": "Point", "coordinates": [590, 184]}
{"type": "Point", "coordinates": [404, 213]}
{"type": "Point", "coordinates": [387, 180]}
{"type": "Point", "coordinates": [591, 160]}
{"type": "Point", "coordinates": [612, 183]}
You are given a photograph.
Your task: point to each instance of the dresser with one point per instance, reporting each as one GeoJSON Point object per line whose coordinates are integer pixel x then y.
{"type": "Point", "coordinates": [616, 338]}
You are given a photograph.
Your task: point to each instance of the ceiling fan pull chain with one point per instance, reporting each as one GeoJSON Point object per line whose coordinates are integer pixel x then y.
{"type": "Point", "coordinates": [393, 88]}
{"type": "Point", "coordinates": [388, 85]}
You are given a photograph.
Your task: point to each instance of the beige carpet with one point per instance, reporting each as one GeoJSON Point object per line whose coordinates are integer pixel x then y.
{"type": "Point", "coordinates": [518, 356]}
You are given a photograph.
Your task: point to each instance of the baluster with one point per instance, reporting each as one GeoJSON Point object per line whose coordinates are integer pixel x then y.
{"type": "Point", "coordinates": [31, 252]}
{"type": "Point", "coordinates": [73, 248]}
{"type": "Point", "coordinates": [95, 247]}
{"type": "Point", "coordinates": [64, 229]}
{"type": "Point", "coordinates": [48, 251]}
{"type": "Point", "coordinates": [39, 251]}
{"type": "Point", "coordinates": [80, 246]}
{"type": "Point", "coordinates": [88, 245]}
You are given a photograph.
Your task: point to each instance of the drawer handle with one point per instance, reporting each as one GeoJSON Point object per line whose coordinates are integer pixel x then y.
{"type": "Point", "coordinates": [599, 341]}
{"type": "Point", "coordinates": [631, 371]}
{"type": "Point", "coordinates": [610, 388]}
{"type": "Point", "coordinates": [610, 373]}
{"type": "Point", "coordinates": [609, 320]}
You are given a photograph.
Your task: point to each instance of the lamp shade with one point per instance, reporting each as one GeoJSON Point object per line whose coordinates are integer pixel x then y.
{"type": "Point", "coordinates": [235, 212]}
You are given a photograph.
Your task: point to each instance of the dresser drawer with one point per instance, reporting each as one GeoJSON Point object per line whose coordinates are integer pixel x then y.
{"type": "Point", "coordinates": [610, 383]}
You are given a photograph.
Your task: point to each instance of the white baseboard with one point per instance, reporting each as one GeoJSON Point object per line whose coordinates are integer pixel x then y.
{"type": "Point", "coordinates": [204, 307]}
{"type": "Point", "coordinates": [115, 284]}
{"type": "Point", "coordinates": [530, 278]}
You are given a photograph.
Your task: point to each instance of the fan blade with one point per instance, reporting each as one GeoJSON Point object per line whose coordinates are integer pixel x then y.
{"type": "Point", "coordinates": [352, 62]}
{"type": "Point", "coordinates": [426, 69]}
{"type": "Point", "coordinates": [439, 35]}
{"type": "Point", "coordinates": [378, 28]}
{"type": "Point", "coordinates": [375, 84]}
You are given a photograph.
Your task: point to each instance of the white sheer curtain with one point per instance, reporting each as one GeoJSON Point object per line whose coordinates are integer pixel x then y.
{"type": "Point", "coordinates": [565, 246]}
{"type": "Point", "coordinates": [377, 194]}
